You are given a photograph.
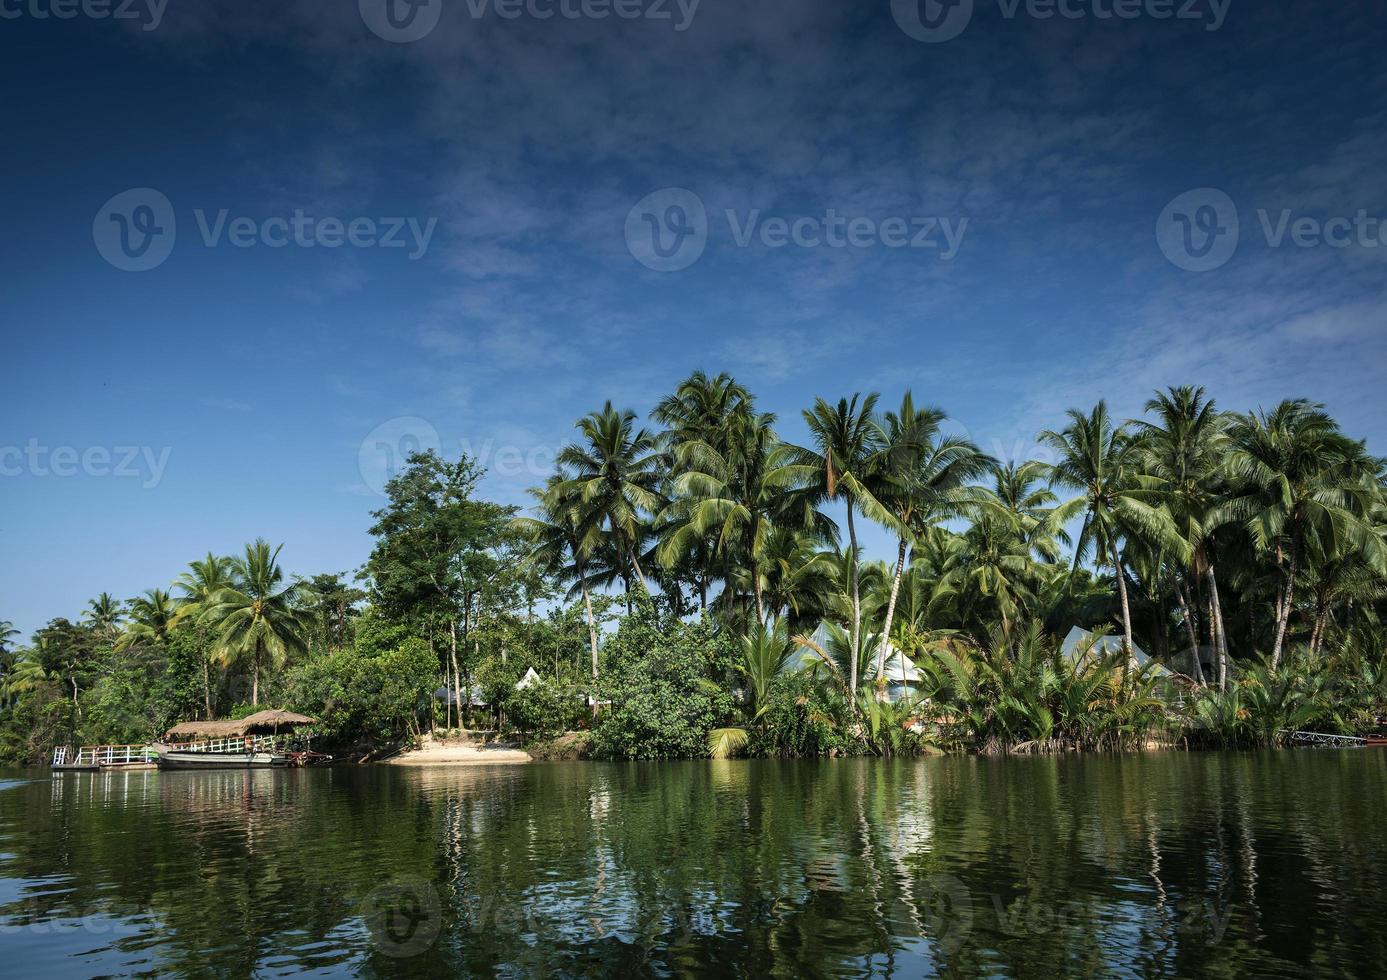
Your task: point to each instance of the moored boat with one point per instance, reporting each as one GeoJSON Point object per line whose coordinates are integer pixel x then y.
{"type": "Point", "coordinates": [266, 738]}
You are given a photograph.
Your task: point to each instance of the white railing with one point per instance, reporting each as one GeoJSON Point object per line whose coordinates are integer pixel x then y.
{"type": "Point", "coordinates": [234, 744]}
{"type": "Point", "coordinates": [103, 755]}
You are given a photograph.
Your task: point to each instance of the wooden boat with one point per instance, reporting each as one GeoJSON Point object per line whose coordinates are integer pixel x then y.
{"type": "Point", "coordinates": [255, 741]}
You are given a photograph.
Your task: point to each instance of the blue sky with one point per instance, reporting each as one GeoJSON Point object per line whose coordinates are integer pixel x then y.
{"type": "Point", "coordinates": [257, 384]}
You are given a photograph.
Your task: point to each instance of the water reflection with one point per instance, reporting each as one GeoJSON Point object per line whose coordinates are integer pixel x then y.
{"type": "Point", "coordinates": [1163, 865]}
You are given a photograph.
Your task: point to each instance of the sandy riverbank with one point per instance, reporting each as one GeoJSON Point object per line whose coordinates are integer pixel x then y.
{"type": "Point", "coordinates": [458, 754]}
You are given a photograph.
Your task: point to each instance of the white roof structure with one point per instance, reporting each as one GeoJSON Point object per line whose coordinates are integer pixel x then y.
{"type": "Point", "coordinates": [1108, 645]}
{"type": "Point", "coordinates": [803, 658]}
{"type": "Point", "coordinates": [529, 680]}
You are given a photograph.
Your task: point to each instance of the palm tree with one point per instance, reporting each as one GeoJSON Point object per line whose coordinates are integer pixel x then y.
{"type": "Point", "coordinates": [765, 652]}
{"type": "Point", "coordinates": [1183, 452]}
{"type": "Point", "coordinates": [846, 444]}
{"type": "Point", "coordinates": [613, 475]}
{"type": "Point", "coordinates": [920, 477]}
{"type": "Point", "coordinates": [562, 545]}
{"type": "Point", "coordinates": [1298, 483]}
{"type": "Point", "coordinates": [200, 584]}
{"type": "Point", "coordinates": [258, 621]}
{"type": "Point", "coordinates": [732, 493]}
{"type": "Point", "coordinates": [1030, 505]}
{"type": "Point", "coordinates": [104, 615]}
{"type": "Point", "coordinates": [1100, 460]}
{"type": "Point", "coordinates": [151, 617]}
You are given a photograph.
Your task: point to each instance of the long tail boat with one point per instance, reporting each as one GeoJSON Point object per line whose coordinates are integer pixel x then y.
{"type": "Point", "coordinates": [266, 738]}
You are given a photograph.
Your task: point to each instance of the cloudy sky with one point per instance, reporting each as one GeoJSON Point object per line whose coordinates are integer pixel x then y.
{"type": "Point", "coordinates": [255, 250]}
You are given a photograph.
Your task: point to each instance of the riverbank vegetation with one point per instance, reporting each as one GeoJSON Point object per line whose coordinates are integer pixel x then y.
{"type": "Point", "coordinates": [695, 584]}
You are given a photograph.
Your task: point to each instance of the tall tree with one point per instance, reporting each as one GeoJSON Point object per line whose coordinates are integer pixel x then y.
{"type": "Point", "coordinates": [614, 474]}
{"type": "Point", "coordinates": [1297, 477]}
{"type": "Point", "coordinates": [846, 441]}
{"type": "Point", "coordinates": [921, 478]}
{"type": "Point", "coordinates": [1100, 460]}
{"type": "Point", "coordinates": [200, 584]}
{"type": "Point", "coordinates": [1183, 451]}
{"type": "Point", "coordinates": [562, 546]}
{"type": "Point", "coordinates": [257, 618]}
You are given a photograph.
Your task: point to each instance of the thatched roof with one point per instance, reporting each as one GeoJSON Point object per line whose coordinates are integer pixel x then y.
{"type": "Point", "coordinates": [260, 723]}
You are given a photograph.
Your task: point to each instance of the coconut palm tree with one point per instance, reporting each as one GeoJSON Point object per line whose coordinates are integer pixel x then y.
{"type": "Point", "coordinates": [732, 493]}
{"type": "Point", "coordinates": [200, 584]}
{"type": "Point", "coordinates": [1020, 490]}
{"type": "Point", "coordinates": [151, 617]}
{"type": "Point", "coordinates": [920, 476]}
{"type": "Point", "coordinates": [613, 475]}
{"type": "Point", "coordinates": [1183, 450]}
{"type": "Point", "coordinates": [104, 616]}
{"type": "Point", "coordinates": [257, 619]}
{"type": "Point", "coordinates": [562, 545]}
{"type": "Point", "coordinates": [1100, 460]}
{"type": "Point", "coordinates": [846, 443]}
{"type": "Point", "coordinates": [1300, 483]}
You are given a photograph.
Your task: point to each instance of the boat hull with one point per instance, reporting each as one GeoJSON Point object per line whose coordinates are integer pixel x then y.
{"type": "Point", "coordinates": [219, 760]}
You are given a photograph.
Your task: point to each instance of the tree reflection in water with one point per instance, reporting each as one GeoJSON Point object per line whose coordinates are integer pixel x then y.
{"type": "Point", "coordinates": [1156, 865]}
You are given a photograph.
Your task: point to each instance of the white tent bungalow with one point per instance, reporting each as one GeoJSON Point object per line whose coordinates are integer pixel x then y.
{"type": "Point", "coordinates": [1079, 640]}
{"type": "Point", "coordinates": [902, 677]}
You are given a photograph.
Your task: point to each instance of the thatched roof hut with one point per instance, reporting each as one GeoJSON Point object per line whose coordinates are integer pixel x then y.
{"type": "Point", "coordinates": [267, 722]}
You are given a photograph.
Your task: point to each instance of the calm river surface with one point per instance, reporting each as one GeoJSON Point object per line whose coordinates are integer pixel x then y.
{"type": "Point", "coordinates": [1265, 864]}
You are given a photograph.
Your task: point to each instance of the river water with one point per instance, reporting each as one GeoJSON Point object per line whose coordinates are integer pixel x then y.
{"type": "Point", "coordinates": [1171, 864]}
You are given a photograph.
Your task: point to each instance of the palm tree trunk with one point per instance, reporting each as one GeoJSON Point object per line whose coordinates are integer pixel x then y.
{"type": "Point", "coordinates": [255, 681]}
{"type": "Point", "coordinates": [856, 603]}
{"type": "Point", "coordinates": [453, 659]}
{"type": "Point", "coordinates": [1221, 644]}
{"type": "Point", "coordinates": [640, 575]}
{"type": "Point", "coordinates": [891, 612]}
{"type": "Point", "coordinates": [1284, 612]}
{"type": "Point", "coordinates": [1122, 594]}
{"type": "Point", "coordinates": [592, 636]}
{"type": "Point", "coordinates": [756, 591]}
{"type": "Point", "coordinates": [1196, 670]}
{"type": "Point", "coordinates": [206, 690]}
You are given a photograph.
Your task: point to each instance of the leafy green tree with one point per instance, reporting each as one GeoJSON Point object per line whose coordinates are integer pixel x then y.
{"type": "Point", "coordinates": [437, 558]}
